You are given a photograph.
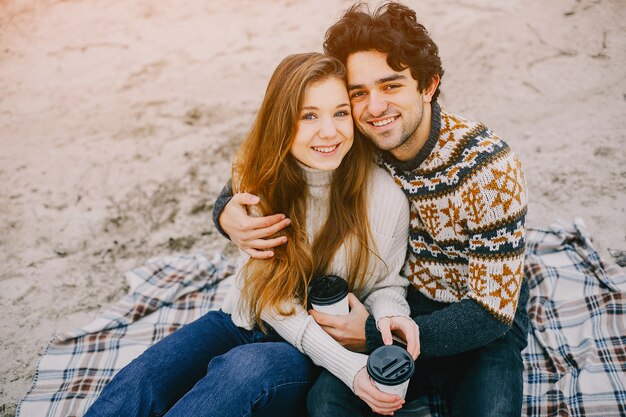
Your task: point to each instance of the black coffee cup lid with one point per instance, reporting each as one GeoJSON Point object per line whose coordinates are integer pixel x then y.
{"type": "Point", "coordinates": [390, 365]}
{"type": "Point", "coordinates": [327, 290]}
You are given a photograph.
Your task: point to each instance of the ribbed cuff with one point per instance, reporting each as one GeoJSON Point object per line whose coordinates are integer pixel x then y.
{"type": "Point", "coordinates": [373, 339]}
{"type": "Point", "coordinates": [224, 198]}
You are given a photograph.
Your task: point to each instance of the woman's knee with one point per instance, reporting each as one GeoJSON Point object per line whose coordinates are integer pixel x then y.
{"type": "Point", "coordinates": [272, 379]}
{"type": "Point", "coordinates": [217, 318]}
{"type": "Point", "coordinates": [264, 364]}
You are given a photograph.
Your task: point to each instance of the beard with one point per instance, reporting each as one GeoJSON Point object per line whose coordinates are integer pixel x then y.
{"type": "Point", "coordinates": [399, 137]}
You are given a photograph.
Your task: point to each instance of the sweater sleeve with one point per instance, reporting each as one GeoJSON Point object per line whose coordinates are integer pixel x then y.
{"type": "Point", "coordinates": [389, 221]}
{"type": "Point", "coordinates": [493, 209]}
{"type": "Point", "coordinates": [458, 328]}
{"type": "Point", "coordinates": [455, 328]}
{"type": "Point", "coordinates": [309, 338]}
{"type": "Point", "coordinates": [225, 196]}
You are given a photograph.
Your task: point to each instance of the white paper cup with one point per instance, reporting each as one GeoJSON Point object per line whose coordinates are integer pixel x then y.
{"type": "Point", "coordinates": [391, 368]}
{"type": "Point", "coordinates": [329, 294]}
{"type": "Point", "coordinates": [399, 390]}
{"type": "Point", "coordinates": [340, 308]}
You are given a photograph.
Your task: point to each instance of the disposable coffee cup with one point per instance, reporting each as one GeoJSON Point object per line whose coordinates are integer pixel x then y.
{"type": "Point", "coordinates": [329, 294]}
{"type": "Point", "coordinates": [391, 368]}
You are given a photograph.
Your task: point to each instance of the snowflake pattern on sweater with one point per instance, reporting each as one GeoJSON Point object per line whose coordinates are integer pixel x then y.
{"type": "Point", "coordinates": [468, 209]}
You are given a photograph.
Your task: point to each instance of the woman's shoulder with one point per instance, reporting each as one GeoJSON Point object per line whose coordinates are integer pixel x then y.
{"type": "Point", "coordinates": [385, 198]}
{"type": "Point", "coordinates": [383, 185]}
{"type": "Point", "coordinates": [388, 212]}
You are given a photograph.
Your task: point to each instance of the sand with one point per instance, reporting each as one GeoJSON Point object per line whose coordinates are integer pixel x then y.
{"type": "Point", "coordinates": [118, 121]}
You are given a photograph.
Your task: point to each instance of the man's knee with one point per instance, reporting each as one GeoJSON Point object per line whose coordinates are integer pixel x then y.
{"type": "Point", "coordinates": [493, 407]}
{"type": "Point", "coordinates": [330, 397]}
{"type": "Point", "coordinates": [492, 385]}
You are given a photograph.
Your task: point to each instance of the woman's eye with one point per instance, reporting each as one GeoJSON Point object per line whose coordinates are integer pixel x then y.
{"type": "Point", "coordinates": [342, 113]}
{"type": "Point", "coordinates": [309, 116]}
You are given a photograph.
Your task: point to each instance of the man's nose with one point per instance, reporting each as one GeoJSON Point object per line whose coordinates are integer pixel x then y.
{"type": "Point", "coordinates": [377, 104]}
{"type": "Point", "coordinates": [328, 130]}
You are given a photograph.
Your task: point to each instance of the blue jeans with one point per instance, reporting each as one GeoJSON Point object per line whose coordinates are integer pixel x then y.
{"type": "Point", "coordinates": [211, 367]}
{"type": "Point", "coordinates": [485, 382]}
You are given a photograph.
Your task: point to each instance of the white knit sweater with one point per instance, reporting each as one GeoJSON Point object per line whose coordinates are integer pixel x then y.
{"type": "Point", "coordinates": [384, 290]}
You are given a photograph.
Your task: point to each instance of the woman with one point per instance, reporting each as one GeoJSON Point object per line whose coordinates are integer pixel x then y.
{"type": "Point", "coordinates": [348, 219]}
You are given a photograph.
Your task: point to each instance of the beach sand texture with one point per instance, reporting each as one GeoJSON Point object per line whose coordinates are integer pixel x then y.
{"type": "Point", "coordinates": [118, 121]}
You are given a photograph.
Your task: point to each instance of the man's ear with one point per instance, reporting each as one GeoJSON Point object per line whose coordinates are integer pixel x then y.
{"type": "Point", "coordinates": [430, 90]}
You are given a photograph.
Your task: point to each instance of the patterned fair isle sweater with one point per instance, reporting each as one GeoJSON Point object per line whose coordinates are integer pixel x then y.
{"type": "Point", "coordinates": [468, 204]}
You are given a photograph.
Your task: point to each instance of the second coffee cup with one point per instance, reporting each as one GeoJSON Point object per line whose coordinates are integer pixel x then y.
{"type": "Point", "coordinates": [391, 368]}
{"type": "Point", "coordinates": [329, 294]}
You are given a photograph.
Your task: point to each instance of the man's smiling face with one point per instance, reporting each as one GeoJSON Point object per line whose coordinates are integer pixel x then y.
{"type": "Point", "coordinates": [386, 104]}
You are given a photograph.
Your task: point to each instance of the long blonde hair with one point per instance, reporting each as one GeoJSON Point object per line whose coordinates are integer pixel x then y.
{"type": "Point", "coordinates": [265, 167]}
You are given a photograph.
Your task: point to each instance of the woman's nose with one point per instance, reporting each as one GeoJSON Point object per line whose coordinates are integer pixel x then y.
{"type": "Point", "coordinates": [328, 130]}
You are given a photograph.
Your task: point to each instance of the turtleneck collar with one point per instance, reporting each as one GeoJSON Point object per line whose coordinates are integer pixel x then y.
{"type": "Point", "coordinates": [316, 177]}
{"type": "Point", "coordinates": [435, 127]}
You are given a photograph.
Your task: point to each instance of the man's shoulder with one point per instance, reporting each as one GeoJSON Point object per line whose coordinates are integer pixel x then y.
{"type": "Point", "coordinates": [469, 132]}
{"type": "Point", "coordinates": [473, 141]}
{"type": "Point", "coordinates": [451, 122]}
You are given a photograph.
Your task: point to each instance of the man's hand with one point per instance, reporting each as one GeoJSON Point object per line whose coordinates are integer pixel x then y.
{"type": "Point", "coordinates": [251, 233]}
{"type": "Point", "coordinates": [348, 330]}
{"type": "Point", "coordinates": [380, 402]}
{"type": "Point", "coordinates": [404, 328]}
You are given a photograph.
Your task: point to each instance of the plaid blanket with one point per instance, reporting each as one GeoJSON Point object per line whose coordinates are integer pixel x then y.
{"type": "Point", "coordinates": [575, 361]}
{"type": "Point", "coordinates": [164, 294]}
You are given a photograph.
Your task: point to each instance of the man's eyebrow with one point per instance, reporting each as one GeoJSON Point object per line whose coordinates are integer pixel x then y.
{"type": "Point", "coordinates": [393, 77]}
{"type": "Point", "coordinates": [355, 87]}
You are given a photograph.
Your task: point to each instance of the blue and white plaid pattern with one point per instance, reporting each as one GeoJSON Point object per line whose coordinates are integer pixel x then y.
{"type": "Point", "coordinates": [576, 355]}
{"type": "Point", "coordinates": [575, 360]}
{"type": "Point", "coordinates": [164, 294]}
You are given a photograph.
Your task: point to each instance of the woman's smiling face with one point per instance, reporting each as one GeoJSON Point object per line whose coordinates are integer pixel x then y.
{"type": "Point", "coordinates": [325, 130]}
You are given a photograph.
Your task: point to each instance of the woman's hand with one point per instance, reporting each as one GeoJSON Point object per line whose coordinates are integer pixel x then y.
{"type": "Point", "coordinates": [348, 330]}
{"type": "Point", "coordinates": [250, 233]}
{"type": "Point", "coordinates": [380, 402]}
{"type": "Point", "coordinates": [402, 327]}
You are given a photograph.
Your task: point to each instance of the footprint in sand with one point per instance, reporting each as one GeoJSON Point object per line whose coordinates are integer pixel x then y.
{"type": "Point", "coordinates": [149, 72]}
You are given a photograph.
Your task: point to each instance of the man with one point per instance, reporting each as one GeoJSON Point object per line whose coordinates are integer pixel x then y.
{"type": "Point", "coordinates": [466, 243]}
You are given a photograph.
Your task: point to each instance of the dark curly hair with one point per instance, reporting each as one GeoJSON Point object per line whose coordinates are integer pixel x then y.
{"type": "Point", "coordinates": [392, 29]}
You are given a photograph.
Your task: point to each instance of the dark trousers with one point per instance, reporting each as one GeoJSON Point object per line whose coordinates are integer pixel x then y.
{"type": "Point", "coordinates": [483, 382]}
